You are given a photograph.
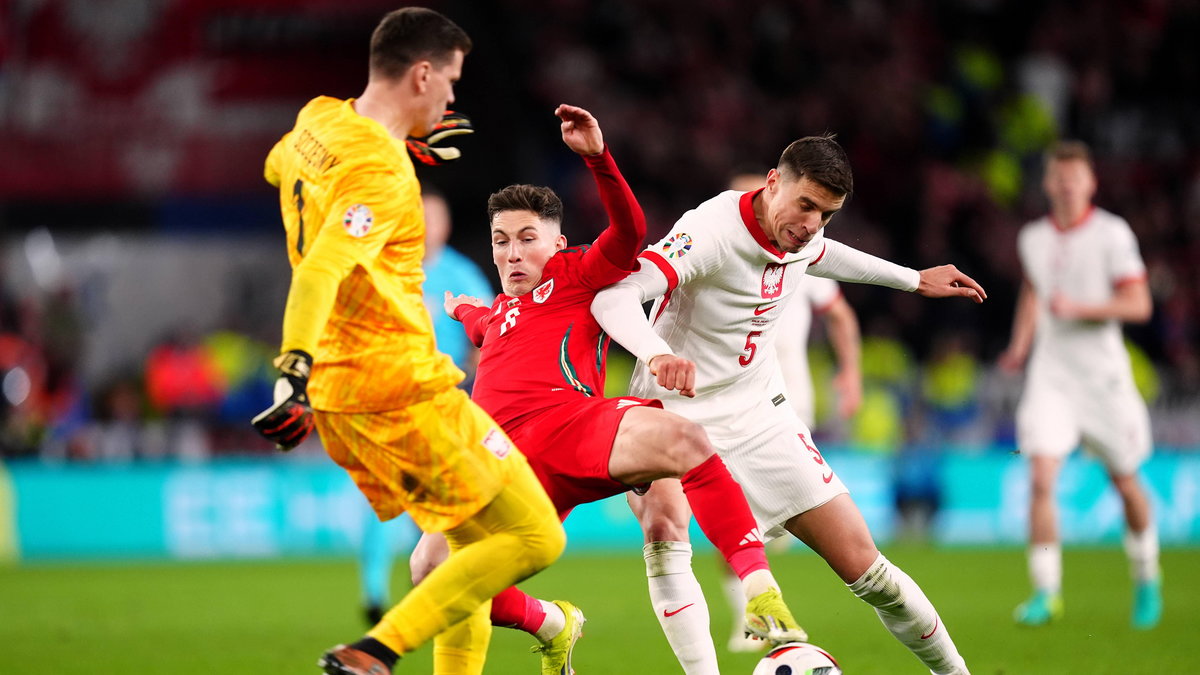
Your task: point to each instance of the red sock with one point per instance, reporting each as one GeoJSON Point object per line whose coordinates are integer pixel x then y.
{"type": "Point", "coordinates": [514, 609]}
{"type": "Point", "coordinates": [723, 514]}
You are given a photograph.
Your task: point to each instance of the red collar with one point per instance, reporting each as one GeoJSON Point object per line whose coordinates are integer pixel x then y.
{"type": "Point", "coordinates": [1080, 221]}
{"type": "Point", "coordinates": [746, 206]}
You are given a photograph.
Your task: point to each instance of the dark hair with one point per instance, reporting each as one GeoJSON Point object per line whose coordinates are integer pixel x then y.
{"type": "Point", "coordinates": [820, 159]}
{"type": "Point", "coordinates": [1067, 150]}
{"type": "Point", "coordinates": [413, 34]}
{"type": "Point", "coordinates": [540, 200]}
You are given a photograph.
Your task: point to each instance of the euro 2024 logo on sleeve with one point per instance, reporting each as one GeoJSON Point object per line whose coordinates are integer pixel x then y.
{"type": "Point", "coordinates": [358, 220]}
{"type": "Point", "coordinates": [678, 245]}
{"type": "Point", "coordinates": [497, 443]}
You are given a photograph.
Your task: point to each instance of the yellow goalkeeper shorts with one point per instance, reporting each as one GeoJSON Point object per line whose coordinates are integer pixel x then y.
{"type": "Point", "coordinates": [441, 460]}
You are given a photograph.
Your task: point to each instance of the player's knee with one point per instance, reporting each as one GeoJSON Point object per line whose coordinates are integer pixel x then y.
{"type": "Point", "coordinates": [857, 561]}
{"type": "Point", "coordinates": [1121, 481]}
{"type": "Point", "coordinates": [1043, 475]}
{"type": "Point", "coordinates": [667, 523]}
{"type": "Point", "coordinates": [690, 446]}
{"type": "Point", "coordinates": [665, 530]}
{"type": "Point", "coordinates": [1042, 487]}
{"type": "Point", "coordinates": [1127, 486]}
{"type": "Point", "coordinates": [880, 584]}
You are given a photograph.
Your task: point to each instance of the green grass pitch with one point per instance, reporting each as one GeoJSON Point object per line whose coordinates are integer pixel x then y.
{"type": "Point", "coordinates": [276, 617]}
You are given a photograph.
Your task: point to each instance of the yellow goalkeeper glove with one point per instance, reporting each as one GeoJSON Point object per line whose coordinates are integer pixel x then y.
{"type": "Point", "coordinates": [290, 419]}
{"type": "Point", "coordinates": [425, 150]}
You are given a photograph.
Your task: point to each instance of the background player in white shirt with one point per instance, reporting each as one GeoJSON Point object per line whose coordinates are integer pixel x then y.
{"type": "Point", "coordinates": [817, 297]}
{"type": "Point", "coordinates": [1083, 276]}
{"type": "Point", "coordinates": [820, 298]}
{"type": "Point", "coordinates": [723, 276]}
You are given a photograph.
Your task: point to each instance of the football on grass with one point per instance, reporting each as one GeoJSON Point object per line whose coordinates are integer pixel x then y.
{"type": "Point", "coordinates": [797, 658]}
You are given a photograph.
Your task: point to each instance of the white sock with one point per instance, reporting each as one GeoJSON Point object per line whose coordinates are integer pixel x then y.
{"type": "Point", "coordinates": [1142, 549]}
{"type": "Point", "coordinates": [1045, 567]}
{"type": "Point", "coordinates": [909, 615]}
{"type": "Point", "coordinates": [679, 605]}
{"type": "Point", "coordinates": [554, 622]}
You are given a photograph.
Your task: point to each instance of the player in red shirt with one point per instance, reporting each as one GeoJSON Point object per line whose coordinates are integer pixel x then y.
{"type": "Point", "coordinates": [541, 377]}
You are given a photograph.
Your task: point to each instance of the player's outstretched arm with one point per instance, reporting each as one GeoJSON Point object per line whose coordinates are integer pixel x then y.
{"type": "Point", "coordinates": [471, 312]}
{"type": "Point", "coordinates": [621, 241]}
{"type": "Point", "coordinates": [946, 281]}
{"type": "Point", "coordinates": [845, 263]}
{"type": "Point", "coordinates": [580, 131]}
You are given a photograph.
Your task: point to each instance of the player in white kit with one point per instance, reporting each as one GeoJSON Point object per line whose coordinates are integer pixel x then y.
{"type": "Point", "coordinates": [1083, 277]}
{"type": "Point", "coordinates": [817, 297]}
{"type": "Point", "coordinates": [722, 278]}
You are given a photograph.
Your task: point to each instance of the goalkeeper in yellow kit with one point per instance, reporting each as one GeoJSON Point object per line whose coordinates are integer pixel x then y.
{"type": "Point", "coordinates": [358, 343]}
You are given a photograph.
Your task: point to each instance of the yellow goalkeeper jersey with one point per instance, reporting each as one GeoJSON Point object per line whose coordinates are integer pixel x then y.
{"type": "Point", "coordinates": [355, 234]}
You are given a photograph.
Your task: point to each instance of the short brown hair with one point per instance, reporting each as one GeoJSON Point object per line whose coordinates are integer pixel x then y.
{"type": "Point", "coordinates": [540, 200]}
{"type": "Point", "coordinates": [411, 34]}
{"type": "Point", "coordinates": [1063, 151]}
{"type": "Point", "coordinates": [820, 159]}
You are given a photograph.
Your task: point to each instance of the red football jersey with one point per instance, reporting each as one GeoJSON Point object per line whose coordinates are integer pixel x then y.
{"type": "Point", "coordinates": [544, 347]}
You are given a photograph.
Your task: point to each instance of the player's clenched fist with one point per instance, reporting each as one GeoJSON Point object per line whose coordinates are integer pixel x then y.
{"type": "Point", "coordinates": [290, 419]}
{"type": "Point", "coordinates": [674, 373]}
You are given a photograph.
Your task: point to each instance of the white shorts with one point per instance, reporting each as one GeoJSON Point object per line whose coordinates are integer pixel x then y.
{"type": "Point", "coordinates": [1057, 414]}
{"type": "Point", "coordinates": [780, 469]}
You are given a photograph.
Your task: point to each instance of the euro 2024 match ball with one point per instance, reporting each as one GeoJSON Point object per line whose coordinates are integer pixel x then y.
{"type": "Point", "coordinates": [797, 658]}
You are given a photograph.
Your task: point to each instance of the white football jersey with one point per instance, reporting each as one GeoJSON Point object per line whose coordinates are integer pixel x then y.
{"type": "Point", "coordinates": [1085, 263]}
{"type": "Point", "coordinates": [815, 296]}
{"type": "Point", "coordinates": [728, 288]}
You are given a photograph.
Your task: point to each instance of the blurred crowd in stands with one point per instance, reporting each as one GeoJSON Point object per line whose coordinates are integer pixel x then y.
{"type": "Point", "coordinates": [944, 108]}
{"type": "Point", "coordinates": [191, 397]}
